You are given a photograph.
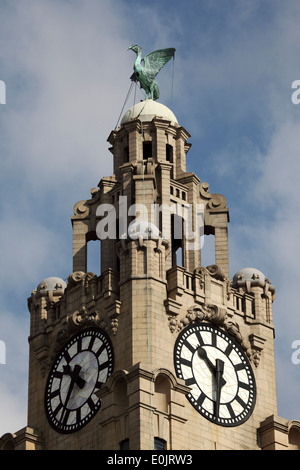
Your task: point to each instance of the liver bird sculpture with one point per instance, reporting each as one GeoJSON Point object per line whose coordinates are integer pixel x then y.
{"type": "Point", "coordinates": [145, 70]}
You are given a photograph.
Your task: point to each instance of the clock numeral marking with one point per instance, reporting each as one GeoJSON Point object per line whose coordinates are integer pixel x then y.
{"type": "Point", "coordinates": [238, 367]}
{"type": "Point", "coordinates": [91, 343]}
{"type": "Point", "coordinates": [65, 416]}
{"type": "Point", "coordinates": [91, 404]}
{"type": "Point", "coordinates": [200, 339]}
{"type": "Point", "coordinates": [244, 385]}
{"type": "Point", "coordinates": [201, 399]}
{"type": "Point", "coordinates": [190, 347]}
{"type": "Point", "coordinates": [240, 401]}
{"type": "Point", "coordinates": [57, 374]}
{"type": "Point", "coordinates": [98, 384]}
{"type": "Point", "coordinates": [57, 409]}
{"type": "Point", "coordinates": [67, 356]}
{"type": "Point", "coordinates": [100, 350]}
{"type": "Point", "coordinates": [104, 365]}
{"type": "Point", "coordinates": [185, 362]}
{"type": "Point", "coordinates": [228, 349]}
{"type": "Point", "coordinates": [230, 410]}
{"type": "Point", "coordinates": [190, 381]}
{"type": "Point", "coordinates": [78, 415]}
{"type": "Point", "coordinates": [214, 340]}
{"type": "Point", "coordinates": [54, 394]}
{"type": "Point", "coordinates": [79, 345]}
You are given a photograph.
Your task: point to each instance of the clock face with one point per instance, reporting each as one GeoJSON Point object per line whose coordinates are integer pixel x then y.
{"type": "Point", "coordinates": [78, 372]}
{"type": "Point", "coordinates": [215, 367]}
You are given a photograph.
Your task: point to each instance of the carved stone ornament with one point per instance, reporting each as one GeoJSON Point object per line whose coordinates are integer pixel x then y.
{"type": "Point", "coordinates": [82, 208]}
{"type": "Point", "coordinates": [80, 276]}
{"type": "Point", "coordinates": [84, 318]}
{"type": "Point", "coordinates": [216, 272]}
{"type": "Point", "coordinates": [214, 200]}
{"type": "Point", "coordinates": [257, 345]}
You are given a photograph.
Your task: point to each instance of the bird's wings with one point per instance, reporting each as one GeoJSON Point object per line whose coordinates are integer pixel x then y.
{"type": "Point", "coordinates": [156, 60]}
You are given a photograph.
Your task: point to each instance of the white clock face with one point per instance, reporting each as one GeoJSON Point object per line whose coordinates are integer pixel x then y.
{"type": "Point", "coordinates": [218, 372]}
{"type": "Point", "coordinates": [80, 369]}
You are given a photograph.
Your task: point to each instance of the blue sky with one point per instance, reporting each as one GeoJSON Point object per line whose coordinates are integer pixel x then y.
{"type": "Point", "coordinates": [67, 68]}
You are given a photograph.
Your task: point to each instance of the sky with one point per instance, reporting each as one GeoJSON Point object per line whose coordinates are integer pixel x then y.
{"type": "Point", "coordinates": [66, 68]}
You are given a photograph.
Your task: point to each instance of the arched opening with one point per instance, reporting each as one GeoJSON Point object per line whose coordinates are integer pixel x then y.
{"type": "Point", "coordinates": [294, 438]}
{"type": "Point", "coordinates": [208, 255]}
{"type": "Point", "coordinates": [7, 442]}
{"type": "Point", "coordinates": [147, 149]}
{"type": "Point", "coordinates": [159, 444]}
{"type": "Point", "coordinates": [177, 240]}
{"type": "Point", "coordinates": [93, 254]}
{"type": "Point", "coordinates": [162, 394]}
{"type": "Point", "coordinates": [120, 395]}
{"type": "Point", "coordinates": [126, 154]}
{"type": "Point", "coordinates": [169, 158]}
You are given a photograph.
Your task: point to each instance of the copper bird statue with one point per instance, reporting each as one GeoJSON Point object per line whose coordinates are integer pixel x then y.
{"type": "Point", "coordinates": [145, 70]}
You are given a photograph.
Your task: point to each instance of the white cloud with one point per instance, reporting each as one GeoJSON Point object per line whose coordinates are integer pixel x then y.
{"type": "Point", "coordinates": [73, 86]}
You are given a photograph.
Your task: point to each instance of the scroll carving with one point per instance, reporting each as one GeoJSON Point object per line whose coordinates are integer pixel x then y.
{"type": "Point", "coordinates": [81, 209]}
{"type": "Point", "coordinates": [214, 200]}
{"type": "Point", "coordinates": [81, 277]}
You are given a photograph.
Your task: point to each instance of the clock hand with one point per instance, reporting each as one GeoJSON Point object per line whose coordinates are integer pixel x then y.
{"type": "Point", "coordinates": [68, 371]}
{"type": "Point", "coordinates": [219, 374]}
{"type": "Point", "coordinates": [74, 377]}
{"type": "Point", "coordinates": [203, 354]}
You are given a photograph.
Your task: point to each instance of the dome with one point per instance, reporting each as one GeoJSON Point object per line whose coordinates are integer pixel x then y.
{"type": "Point", "coordinates": [51, 284]}
{"type": "Point", "coordinates": [249, 274]}
{"type": "Point", "coordinates": [147, 110]}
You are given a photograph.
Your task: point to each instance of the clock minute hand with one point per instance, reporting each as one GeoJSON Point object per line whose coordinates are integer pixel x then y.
{"type": "Point", "coordinates": [74, 377]}
{"type": "Point", "coordinates": [219, 374]}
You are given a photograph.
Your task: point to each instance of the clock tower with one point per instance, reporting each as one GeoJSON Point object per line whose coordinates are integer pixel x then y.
{"type": "Point", "coordinates": [156, 351]}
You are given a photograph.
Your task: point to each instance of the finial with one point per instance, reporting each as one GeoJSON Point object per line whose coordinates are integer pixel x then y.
{"type": "Point", "coordinates": [145, 70]}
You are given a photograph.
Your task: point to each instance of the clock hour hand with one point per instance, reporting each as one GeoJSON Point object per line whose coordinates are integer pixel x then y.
{"type": "Point", "coordinates": [203, 354]}
{"type": "Point", "coordinates": [78, 380]}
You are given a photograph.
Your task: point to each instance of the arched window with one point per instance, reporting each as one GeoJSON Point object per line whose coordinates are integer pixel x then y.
{"type": "Point", "coordinates": [147, 149]}
{"type": "Point", "coordinates": [124, 445]}
{"type": "Point", "coordinates": [162, 394]}
{"type": "Point", "coordinates": [159, 444]}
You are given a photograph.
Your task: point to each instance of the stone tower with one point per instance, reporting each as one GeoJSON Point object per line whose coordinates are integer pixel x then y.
{"type": "Point", "coordinates": [158, 351]}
